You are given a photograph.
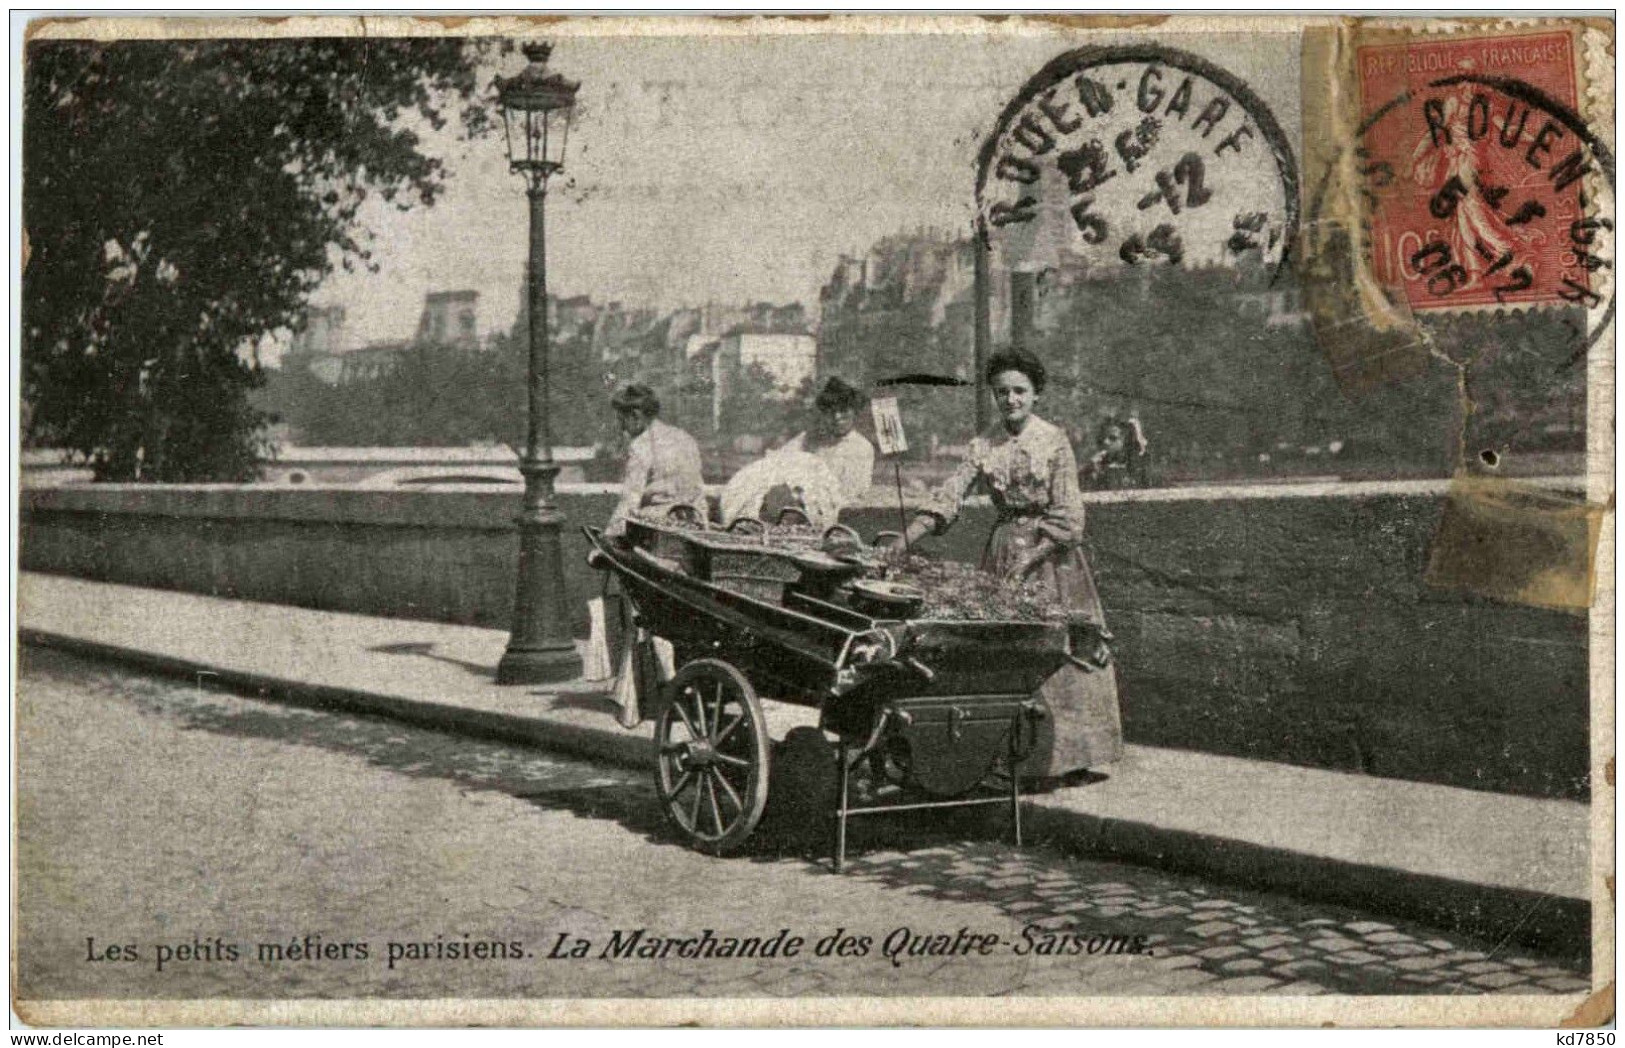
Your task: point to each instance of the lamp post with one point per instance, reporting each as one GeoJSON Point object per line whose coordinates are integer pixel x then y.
{"type": "Point", "coordinates": [536, 107]}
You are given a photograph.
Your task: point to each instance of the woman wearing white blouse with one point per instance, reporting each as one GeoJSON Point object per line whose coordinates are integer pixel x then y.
{"type": "Point", "coordinates": [836, 441]}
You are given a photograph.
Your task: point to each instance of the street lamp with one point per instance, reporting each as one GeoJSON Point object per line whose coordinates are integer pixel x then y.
{"type": "Point", "coordinates": [536, 107]}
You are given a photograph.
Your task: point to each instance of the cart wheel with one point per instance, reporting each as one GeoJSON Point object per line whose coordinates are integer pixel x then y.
{"type": "Point", "coordinates": [712, 759]}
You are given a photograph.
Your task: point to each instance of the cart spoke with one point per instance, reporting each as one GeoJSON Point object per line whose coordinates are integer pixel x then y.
{"type": "Point", "coordinates": [727, 758]}
{"type": "Point", "coordinates": [694, 810]}
{"type": "Point", "coordinates": [716, 712]}
{"type": "Point", "coordinates": [722, 780]}
{"type": "Point", "coordinates": [737, 721]}
{"type": "Point", "coordinates": [682, 783]}
{"type": "Point", "coordinates": [699, 713]}
{"type": "Point", "coordinates": [677, 704]}
{"type": "Point", "coordinates": [716, 809]}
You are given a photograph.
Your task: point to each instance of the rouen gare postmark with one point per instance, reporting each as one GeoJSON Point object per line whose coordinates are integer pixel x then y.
{"type": "Point", "coordinates": [1137, 155]}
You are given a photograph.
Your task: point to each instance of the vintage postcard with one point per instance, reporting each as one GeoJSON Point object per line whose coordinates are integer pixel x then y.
{"type": "Point", "coordinates": [793, 521]}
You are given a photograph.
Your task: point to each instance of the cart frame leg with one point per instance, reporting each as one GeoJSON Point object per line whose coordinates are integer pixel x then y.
{"type": "Point", "coordinates": [1015, 780]}
{"type": "Point", "coordinates": [841, 807]}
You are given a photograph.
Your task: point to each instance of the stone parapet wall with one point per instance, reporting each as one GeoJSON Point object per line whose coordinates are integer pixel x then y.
{"type": "Point", "coordinates": [1290, 623]}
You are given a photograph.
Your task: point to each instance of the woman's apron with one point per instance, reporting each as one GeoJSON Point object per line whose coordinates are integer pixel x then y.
{"type": "Point", "coordinates": [1084, 728]}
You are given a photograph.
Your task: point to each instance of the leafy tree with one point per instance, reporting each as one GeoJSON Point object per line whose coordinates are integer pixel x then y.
{"type": "Point", "coordinates": [182, 199]}
{"type": "Point", "coordinates": [445, 396]}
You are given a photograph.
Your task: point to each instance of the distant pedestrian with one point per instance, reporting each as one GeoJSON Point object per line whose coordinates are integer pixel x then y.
{"type": "Point", "coordinates": [1123, 458]}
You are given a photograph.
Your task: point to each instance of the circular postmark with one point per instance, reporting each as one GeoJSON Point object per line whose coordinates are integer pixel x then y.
{"type": "Point", "coordinates": [1137, 155]}
{"type": "Point", "coordinates": [1479, 191]}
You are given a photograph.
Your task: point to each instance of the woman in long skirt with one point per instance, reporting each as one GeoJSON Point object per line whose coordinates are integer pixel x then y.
{"type": "Point", "coordinates": [662, 474]}
{"type": "Point", "coordinates": [1026, 465]}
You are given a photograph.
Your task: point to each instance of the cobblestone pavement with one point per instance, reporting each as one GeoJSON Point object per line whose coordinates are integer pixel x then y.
{"type": "Point", "coordinates": [1222, 939]}
{"type": "Point", "coordinates": [151, 813]}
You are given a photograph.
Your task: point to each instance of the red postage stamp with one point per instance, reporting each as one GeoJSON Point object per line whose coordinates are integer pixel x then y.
{"type": "Point", "coordinates": [1474, 163]}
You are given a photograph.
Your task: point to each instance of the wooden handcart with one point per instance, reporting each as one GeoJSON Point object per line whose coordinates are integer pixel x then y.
{"type": "Point", "coordinates": [947, 709]}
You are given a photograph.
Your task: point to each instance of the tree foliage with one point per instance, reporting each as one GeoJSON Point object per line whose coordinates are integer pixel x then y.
{"type": "Point", "coordinates": [181, 200]}
{"type": "Point", "coordinates": [446, 396]}
{"type": "Point", "coordinates": [748, 403]}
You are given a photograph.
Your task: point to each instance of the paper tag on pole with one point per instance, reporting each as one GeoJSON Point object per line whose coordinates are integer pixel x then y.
{"type": "Point", "coordinates": [888, 425]}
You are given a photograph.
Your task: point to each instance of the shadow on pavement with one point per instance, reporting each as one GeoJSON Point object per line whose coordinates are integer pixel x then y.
{"type": "Point", "coordinates": [426, 650]}
{"type": "Point", "coordinates": [591, 701]}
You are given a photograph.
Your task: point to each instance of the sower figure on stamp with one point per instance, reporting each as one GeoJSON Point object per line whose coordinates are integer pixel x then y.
{"type": "Point", "coordinates": [1026, 465]}
{"type": "Point", "coordinates": [662, 476]}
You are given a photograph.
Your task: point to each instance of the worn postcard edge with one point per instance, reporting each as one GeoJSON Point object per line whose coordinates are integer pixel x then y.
{"type": "Point", "coordinates": [1489, 1011]}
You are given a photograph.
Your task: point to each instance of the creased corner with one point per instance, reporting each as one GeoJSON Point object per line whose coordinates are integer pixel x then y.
{"type": "Point", "coordinates": [1368, 338]}
{"type": "Point", "coordinates": [1595, 1010]}
{"type": "Point", "coordinates": [1516, 543]}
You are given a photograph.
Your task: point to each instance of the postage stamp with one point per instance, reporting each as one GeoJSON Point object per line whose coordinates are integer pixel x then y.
{"type": "Point", "coordinates": [1464, 217]}
{"type": "Point", "coordinates": [1410, 194]}
{"type": "Point", "coordinates": [844, 520]}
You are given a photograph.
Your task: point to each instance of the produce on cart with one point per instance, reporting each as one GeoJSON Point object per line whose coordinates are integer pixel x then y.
{"type": "Point", "coordinates": [960, 591]}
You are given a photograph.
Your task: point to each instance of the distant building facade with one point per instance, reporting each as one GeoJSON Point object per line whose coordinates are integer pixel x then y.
{"type": "Point", "coordinates": [450, 320]}
{"type": "Point", "coordinates": [1192, 351]}
{"type": "Point", "coordinates": [788, 358]}
{"type": "Point", "coordinates": [720, 345]}
{"type": "Point", "coordinates": [369, 362]}
{"type": "Point", "coordinates": [907, 305]}
{"type": "Point", "coordinates": [318, 345]}
{"type": "Point", "coordinates": [323, 331]}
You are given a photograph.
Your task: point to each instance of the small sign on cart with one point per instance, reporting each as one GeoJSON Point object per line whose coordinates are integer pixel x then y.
{"type": "Point", "coordinates": [888, 425]}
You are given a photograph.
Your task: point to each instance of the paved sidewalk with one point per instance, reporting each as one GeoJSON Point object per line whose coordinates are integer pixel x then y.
{"type": "Point", "coordinates": [1510, 867]}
